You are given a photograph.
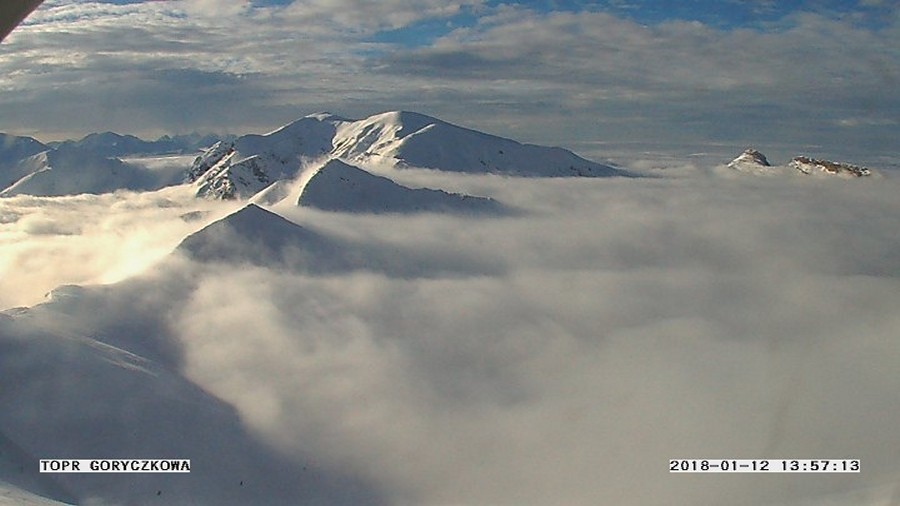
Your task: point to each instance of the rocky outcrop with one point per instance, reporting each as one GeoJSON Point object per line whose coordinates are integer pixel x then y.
{"type": "Point", "coordinates": [811, 166]}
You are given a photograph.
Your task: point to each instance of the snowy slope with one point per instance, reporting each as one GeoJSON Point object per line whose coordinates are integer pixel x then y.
{"type": "Point", "coordinates": [255, 236]}
{"type": "Point", "coordinates": [403, 139]}
{"type": "Point", "coordinates": [10, 495]}
{"type": "Point", "coordinates": [13, 150]}
{"type": "Point", "coordinates": [259, 237]}
{"type": "Point", "coordinates": [19, 472]}
{"type": "Point", "coordinates": [99, 374]}
{"type": "Point", "coordinates": [752, 161]}
{"type": "Point", "coordinates": [242, 168]}
{"type": "Point", "coordinates": [77, 396]}
{"type": "Point", "coordinates": [54, 172]}
{"type": "Point", "coordinates": [86, 166]}
{"type": "Point", "coordinates": [338, 186]}
{"type": "Point", "coordinates": [416, 140]}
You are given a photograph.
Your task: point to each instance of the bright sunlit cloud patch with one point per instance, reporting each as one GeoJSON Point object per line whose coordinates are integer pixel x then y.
{"type": "Point", "coordinates": [86, 239]}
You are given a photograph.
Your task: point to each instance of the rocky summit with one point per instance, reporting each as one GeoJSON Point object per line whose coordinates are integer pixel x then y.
{"type": "Point", "coordinates": [808, 165]}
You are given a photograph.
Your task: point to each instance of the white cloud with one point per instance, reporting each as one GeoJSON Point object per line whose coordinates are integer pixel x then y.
{"type": "Point", "coordinates": [86, 239]}
{"type": "Point", "coordinates": [370, 16]}
{"type": "Point", "coordinates": [628, 321]}
{"type": "Point", "coordinates": [636, 321]}
{"type": "Point", "coordinates": [558, 78]}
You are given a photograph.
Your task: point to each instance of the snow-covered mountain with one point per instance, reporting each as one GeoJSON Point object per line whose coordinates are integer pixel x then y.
{"type": "Point", "coordinates": [77, 395]}
{"type": "Point", "coordinates": [14, 148]}
{"type": "Point", "coordinates": [11, 495]}
{"type": "Point", "coordinates": [66, 172]}
{"type": "Point", "coordinates": [111, 144]}
{"type": "Point", "coordinates": [19, 474]}
{"type": "Point", "coordinates": [401, 139]}
{"type": "Point", "coordinates": [812, 166]}
{"type": "Point", "coordinates": [752, 161]}
{"type": "Point", "coordinates": [241, 168]}
{"type": "Point", "coordinates": [256, 236]}
{"type": "Point", "coordinates": [99, 373]}
{"type": "Point", "coordinates": [409, 139]}
{"type": "Point", "coordinates": [338, 186]}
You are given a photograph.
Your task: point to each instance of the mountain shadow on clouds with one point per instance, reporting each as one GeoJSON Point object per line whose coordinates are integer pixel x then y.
{"type": "Point", "coordinates": [338, 186]}
{"type": "Point", "coordinates": [259, 237]}
{"type": "Point", "coordinates": [76, 397]}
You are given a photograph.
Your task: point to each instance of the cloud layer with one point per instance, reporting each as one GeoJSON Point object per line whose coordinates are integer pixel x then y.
{"type": "Point", "coordinates": [811, 79]}
{"type": "Point", "coordinates": [629, 321]}
{"type": "Point", "coordinates": [635, 321]}
{"type": "Point", "coordinates": [87, 239]}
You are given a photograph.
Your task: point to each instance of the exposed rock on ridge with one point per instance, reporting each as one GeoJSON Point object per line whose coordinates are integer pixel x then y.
{"type": "Point", "coordinates": [752, 161]}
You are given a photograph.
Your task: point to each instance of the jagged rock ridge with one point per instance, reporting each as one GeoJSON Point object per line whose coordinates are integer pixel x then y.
{"type": "Point", "coordinates": [809, 165]}
{"type": "Point", "coordinates": [752, 161]}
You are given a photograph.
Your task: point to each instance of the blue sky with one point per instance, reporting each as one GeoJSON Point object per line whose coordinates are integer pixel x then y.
{"type": "Point", "coordinates": [817, 74]}
{"type": "Point", "coordinates": [724, 14]}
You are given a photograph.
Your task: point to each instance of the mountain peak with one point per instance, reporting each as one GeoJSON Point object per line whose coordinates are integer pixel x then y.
{"type": "Point", "coordinates": [56, 172]}
{"type": "Point", "coordinates": [751, 155]}
{"type": "Point", "coordinates": [338, 186]}
{"type": "Point", "coordinates": [809, 165]}
{"type": "Point", "coordinates": [754, 162]}
{"type": "Point", "coordinates": [14, 148]}
{"type": "Point", "coordinates": [399, 138]}
{"type": "Point", "coordinates": [249, 235]}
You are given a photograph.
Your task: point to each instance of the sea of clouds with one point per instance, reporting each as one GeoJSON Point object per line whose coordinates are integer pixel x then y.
{"type": "Point", "coordinates": [573, 348]}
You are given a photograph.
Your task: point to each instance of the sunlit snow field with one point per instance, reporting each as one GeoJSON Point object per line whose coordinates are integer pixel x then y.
{"type": "Point", "coordinates": [558, 355]}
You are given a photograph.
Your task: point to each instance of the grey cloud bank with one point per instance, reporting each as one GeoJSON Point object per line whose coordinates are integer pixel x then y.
{"type": "Point", "coordinates": [812, 81]}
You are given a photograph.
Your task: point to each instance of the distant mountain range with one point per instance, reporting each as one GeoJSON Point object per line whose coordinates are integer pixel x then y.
{"type": "Point", "coordinates": [91, 165]}
{"type": "Point", "coordinates": [111, 144]}
{"type": "Point", "coordinates": [242, 167]}
{"type": "Point", "coordinates": [399, 139]}
{"type": "Point", "coordinates": [268, 168]}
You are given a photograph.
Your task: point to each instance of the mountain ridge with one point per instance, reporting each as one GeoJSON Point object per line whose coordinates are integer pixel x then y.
{"type": "Point", "coordinates": [752, 161]}
{"type": "Point", "coordinates": [61, 172]}
{"type": "Point", "coordinates": [402, 139]}
{"type": "Point", "coordinates": [339, 186]}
